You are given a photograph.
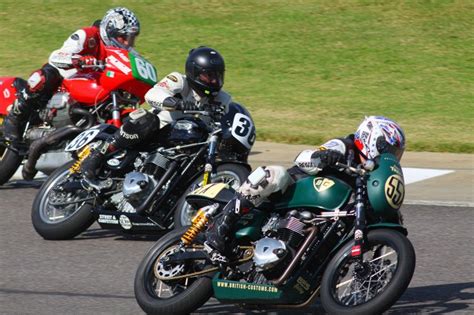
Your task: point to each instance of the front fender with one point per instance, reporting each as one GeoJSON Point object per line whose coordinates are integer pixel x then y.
{"type": "Point", "coordinates": [370, 227]}
{"type": "Point", "coordinates": [386, 225]}
{"type": "Point", "coordinates": [227, 161]}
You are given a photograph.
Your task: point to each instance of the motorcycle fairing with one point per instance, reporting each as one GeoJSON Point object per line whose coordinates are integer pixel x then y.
{"type": "Point", "coordinates": [386, 186]}
{"type": "Point", "coordinates": [7, 94]}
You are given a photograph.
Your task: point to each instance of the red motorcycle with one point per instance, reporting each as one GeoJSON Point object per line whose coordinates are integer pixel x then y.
{"type": "Point", "coordinates": [83, 100]}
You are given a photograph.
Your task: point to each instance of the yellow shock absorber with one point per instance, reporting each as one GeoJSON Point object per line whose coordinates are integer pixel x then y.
{"type": "Point", "coordinates": [76, 167]}
{"type": "Point", "coordinates": [198, 223]}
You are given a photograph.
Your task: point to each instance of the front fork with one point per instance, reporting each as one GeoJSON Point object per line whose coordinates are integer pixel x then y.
{"type": "Point", "coordinates": [360, 221]}
{"type": "Point", "coordinates": [209, 168]}
{"type": "Point", "coordinates": [116, 119]}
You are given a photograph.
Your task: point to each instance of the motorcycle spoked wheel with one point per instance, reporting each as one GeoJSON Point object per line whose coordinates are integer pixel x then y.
{"type": "Point", "coordinates": [388, 266]}
{"type": "Point", "coordinates": [232, 174]}
{"type": "Point", "coordinates": [180, 296]}
{"type": "Point", "coordinates": [60, 222]}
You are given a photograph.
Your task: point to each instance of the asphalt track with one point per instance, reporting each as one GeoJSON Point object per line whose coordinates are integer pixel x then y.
{"type": "Point", "coordinates": [93, 274]}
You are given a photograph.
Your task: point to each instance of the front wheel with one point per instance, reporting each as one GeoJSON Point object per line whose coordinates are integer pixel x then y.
{"type": "Point", "coordinates": [232, 174]}
{"type": "Point", "coordinates": [157, 295]}
{"type": "Point", "coordinates": [9, 163]}
{"type": "Point", "coordinates": [57, 214]}
{"type": "Point", "coordinates": [373, 286]}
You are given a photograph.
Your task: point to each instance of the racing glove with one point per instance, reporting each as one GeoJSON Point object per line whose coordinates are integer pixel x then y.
{"type": "Point", "coordinates": [328, 157]}
{"type": "Point", "coordinates": [178, 104]}
{"type": "Point", "coordinates": [80, 61]}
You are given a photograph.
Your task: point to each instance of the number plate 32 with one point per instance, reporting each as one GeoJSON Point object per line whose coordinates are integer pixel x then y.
{"type": "Point", "coordinates": [243, 130]}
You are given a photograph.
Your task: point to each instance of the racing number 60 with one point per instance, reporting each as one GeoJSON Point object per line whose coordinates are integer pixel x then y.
{"type": "Point", "coordinates": [145, 69]}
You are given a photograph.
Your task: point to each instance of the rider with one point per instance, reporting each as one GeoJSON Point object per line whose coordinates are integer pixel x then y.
{"type": "Point", "coordinates": [374, 136]}
{"type": "Point", "coordinates": [199, 89]}
{"type": "Point", "coordinates": [83, 49]}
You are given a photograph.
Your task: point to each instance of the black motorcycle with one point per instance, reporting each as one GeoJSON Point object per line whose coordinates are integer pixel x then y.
{"type": "Point", "coordinates": [144, 190]}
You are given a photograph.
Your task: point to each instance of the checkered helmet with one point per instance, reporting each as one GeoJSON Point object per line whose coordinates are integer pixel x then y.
{"type": "Point", "coordinates": [377, 135]}
{"type": "Point", "coordinates": [119, 22]}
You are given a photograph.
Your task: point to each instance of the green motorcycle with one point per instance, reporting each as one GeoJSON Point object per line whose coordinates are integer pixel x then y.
{"type": "Point", "coordinates": [323, 236]}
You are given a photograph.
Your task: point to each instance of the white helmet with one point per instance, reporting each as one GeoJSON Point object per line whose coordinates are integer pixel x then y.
{"type": "Point", "coordinates": [377, 135]}
{"type": "Point", "coordinates": [119, 22]}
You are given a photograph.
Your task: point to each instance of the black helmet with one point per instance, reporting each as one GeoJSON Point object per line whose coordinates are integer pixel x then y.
{"type": "Point", "coordinates": [205, 71]}
{"type": "Point", "coordinates": [119, 23]}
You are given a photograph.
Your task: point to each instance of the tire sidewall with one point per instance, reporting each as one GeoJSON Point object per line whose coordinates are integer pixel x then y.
{"type": "Point", "coordinates": [9, 163]}
{"type": "Point", "coordinates": [69, 228]}
{"type": "Point", "coordinates": [198, 293]}
{"type": "Point", "coordinates": [393, 291]}
{"type": "Point", "coordinates": [240, 170]}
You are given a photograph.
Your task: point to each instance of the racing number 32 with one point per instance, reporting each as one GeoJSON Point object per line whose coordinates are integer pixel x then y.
{"type": "Point", "coordinates": [243, 127]}
{"type": "Point", "coordinates": [242, 130]}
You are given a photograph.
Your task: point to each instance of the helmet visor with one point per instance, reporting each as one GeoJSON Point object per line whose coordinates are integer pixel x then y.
{"type": "Point", "coordinates": [384, 147]}
{"type": "Point", "coordinates": [125, 41]}
{"type": "Point", "coordinates": [213, 79]}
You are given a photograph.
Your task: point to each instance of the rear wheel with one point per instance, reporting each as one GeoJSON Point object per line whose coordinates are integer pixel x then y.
{"type": "Point", "coordinates": [157, 295]}
{"type": "Point", "coordinates": [232, 174]}
{"type": "Point", "coordinates": [59, 215]}
{"type": "Point", "coordinates": [373, 286]}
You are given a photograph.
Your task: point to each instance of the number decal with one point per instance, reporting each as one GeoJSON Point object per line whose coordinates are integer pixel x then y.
{"type": "Point", "coordinates": [6, 93]}
{"type": "Point", "coordinates": [210, 191]}
{"type": "Point", "coordinates": [243, 127]}
{"type": "Point", "coordinates": [143, 70]}
{"type": "Point", "coordinates": [395, 191]}
{"type": "Point", "coordinates": [82, 139]}
{"type": "Point", "coordinates": [146, 69]}
{"type": "Point", "coordinates": [243, 130]}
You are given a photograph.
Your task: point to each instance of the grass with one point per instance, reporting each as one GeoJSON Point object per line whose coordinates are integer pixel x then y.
{"type": "Point", "coordinates": [307, 70]}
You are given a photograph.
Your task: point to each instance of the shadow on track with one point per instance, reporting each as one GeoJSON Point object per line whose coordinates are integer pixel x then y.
{"type": "Point", "coordinates": [435, 299]}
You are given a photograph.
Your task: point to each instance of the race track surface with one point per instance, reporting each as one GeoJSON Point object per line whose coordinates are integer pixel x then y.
{"type": "Point", "coordinates": [93, 274]}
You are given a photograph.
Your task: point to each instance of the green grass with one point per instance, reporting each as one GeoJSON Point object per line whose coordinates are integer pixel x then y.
{"type": "Point", "coordinates": [307, 70]}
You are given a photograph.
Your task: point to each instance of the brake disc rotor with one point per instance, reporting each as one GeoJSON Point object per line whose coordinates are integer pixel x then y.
{"type": "Point", "coordinates": [161, 271]}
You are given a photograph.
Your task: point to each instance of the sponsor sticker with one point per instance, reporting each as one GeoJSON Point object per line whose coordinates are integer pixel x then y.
{"type": "Point", "coordinates": [125, 222]}
{"type": "Point", "coordinates": [107, 219]}
{"type": "Point", "coordinates": [92, 42]}
{"type": "Point", "coordinates": [321, 184]}
{"type": "Point", "coordinates": [246, 286]}
{"type": "Point", "coordinates": [172, 78]}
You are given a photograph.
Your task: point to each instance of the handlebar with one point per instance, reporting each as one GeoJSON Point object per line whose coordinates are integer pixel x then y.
{"type": "Point", "coordinates": [197, 112]}
{"type": "Point", "coordinates": [100, 66]}
{"type": "Point", "coordinates": [361, 169]}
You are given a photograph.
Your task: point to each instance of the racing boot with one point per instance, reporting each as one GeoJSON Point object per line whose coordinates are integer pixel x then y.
{"type": "Point", "coordinates": [219, 234]}
{"type": "Point", "coordinates": [16, 119]}
{"type": "Point", "coordinates": [91, 165]}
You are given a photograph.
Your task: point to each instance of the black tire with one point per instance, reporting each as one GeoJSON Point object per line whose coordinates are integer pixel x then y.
{"type": "Point", "coordinates": [184, 302]}
{"type": "Point", "coordinates": [9, 163]}
{"type": "Point", "coordinates": [68, 228]}
{"type": "Point", "coordinates": [388, 294]}
{"type": "Point", "coordinates": [183, 212]}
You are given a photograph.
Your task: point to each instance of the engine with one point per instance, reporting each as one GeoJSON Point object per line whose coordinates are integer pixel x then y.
{"type": "Point", "coordinates": [283, 237]}
{"type": "Point", "coordinates": [56, 112]}
{"type": "Point", "coordinates": [138, 184]}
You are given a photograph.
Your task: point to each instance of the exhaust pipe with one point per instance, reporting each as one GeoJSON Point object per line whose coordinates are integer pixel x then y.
{"type": "Point", "coordinates": [39, 146]}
